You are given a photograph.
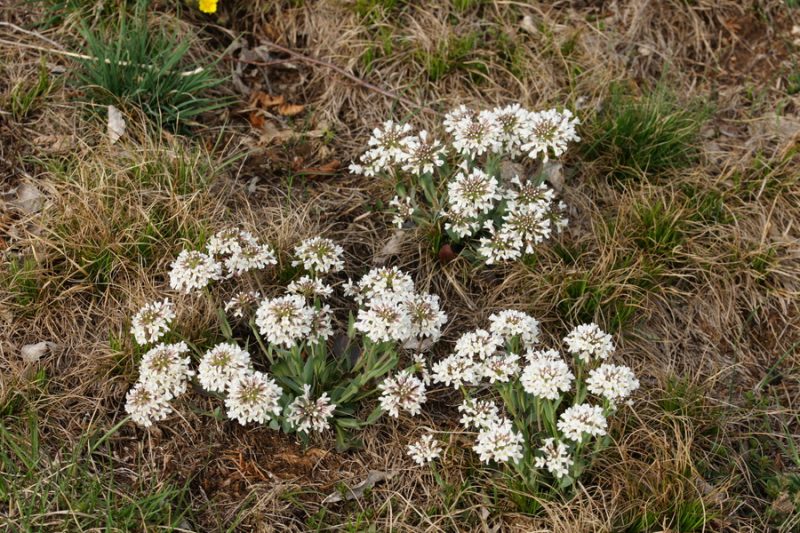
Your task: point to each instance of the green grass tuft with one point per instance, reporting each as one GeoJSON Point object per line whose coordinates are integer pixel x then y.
{"type": "Point", "coordinates": [140, 64]}
{"type": "Point", "coordinates": [646, 135]}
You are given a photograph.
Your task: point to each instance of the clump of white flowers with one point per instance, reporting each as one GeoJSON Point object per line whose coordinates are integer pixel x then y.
{"type": "Point", "coordinates": [504, 217]}
{"type": "Point", "coordinates": [425, 449]}
{"type": "Point", "coordinates": [152, 321]}
{"type": "Point", "coordinates": [551, 406]}
{"type": "Point", "coordinates": [289, 376]}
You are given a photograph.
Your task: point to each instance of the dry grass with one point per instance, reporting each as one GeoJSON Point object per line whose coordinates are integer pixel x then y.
{"type": "Point", "coordinates": [696, 270]}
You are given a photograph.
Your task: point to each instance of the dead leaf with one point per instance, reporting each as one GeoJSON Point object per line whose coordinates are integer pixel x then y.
{"type": "Point", "coordinates": [447, 254]}
{"type": "Point", "coordinates": [32, 353]}
{"type": "Point", "coordinates": [265, 101]}
{"type": "Point", "coordinates": [290, 110]}
{"type": "Point", "coordinates": [256, 119]}
{"type": "Point", "coordinates": [271, 134]}
{"type": "Point", "coordinates": [29, 199]}
{"type": "Point", "coordinates": [554, 174]}
{"type": "Point", "coordinates": [392, 247]}
{"type": "Point", "coordinates": [374, 476]}
{"type": "Point", "coordinates": [116, 124]}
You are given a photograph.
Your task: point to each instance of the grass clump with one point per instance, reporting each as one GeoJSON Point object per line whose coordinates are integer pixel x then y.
{"type": "Point", "coordinates": [645, 135]}
{"type": "Point", "coordinates": [137, 63]}
{"type": "Point", "coordinates": [76, 489]}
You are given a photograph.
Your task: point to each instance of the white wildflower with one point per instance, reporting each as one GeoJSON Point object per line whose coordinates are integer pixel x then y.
{"type": "Point", "coordinates": [421, 366]}
{"type": "Point", "coordinates": [381, 281]}
{"type": "Point", "coordinates": [534, 355]}
{"type": "Point", "coordinates": [476, 135]}
{"type": "Point", "coordinates": [319, 255]}
{"type": "Point", "coordinates": [455, 117]}
{"type": "Point", "coordinates": [242, 303]}
{"type": "Point", "coordinates": [477, 343]}
{"type": "Point", "coordinates": [321, 325]}
{"type": "Point", "coordinates": [478, 414]}
{"type": "Point", "coordinates": [499, 442]}
{"type": "Point", "coordinates": [556, 458]}
{"type": "Point", "coordinates": [500, 367]}
{"type": "Point", "coordinates": [193, 270]}
{"type": "Point", "coordinates": [612, 382]}
{"type": "Point", "coordinates": [460, 224]}
{"type": "Point", "coordinates": [285, 320]}
{"type": "Point", "coordinates": [588, 341]}
{"type": "Point", "coordinates": [455, 370]}
{"type": "Point", "coordinates": [253, 397]}
{"type": "Point", "coordinates": [165, 369]}
{"type": "Point", "coordinates": [222, 365]}
{"type": "Point", "coordinates": [546, 378]}
{"type": "Point", "coordinates": [528, 225]}
{"type": "Point", "coordinates": [146, 405]}
{"type": "Point", "coordinates": [422, 154]}
{"type": "Point", "coordinates": [250, 257]}
{"type": "Point", "coordinates": [305, 413]}
{"type": "Point", "coordinates": [426, 317]}
{"type": "Point", "coordinates": [403, 391]}
{"type": "Point", "coordinates": [548, 132]}
{"type": "Point", "coordinates": [510, 323]}
{"type": "Point", "coordinates": [500, 246]}
{"type": "Point", "coordinates": [511, 119]}
{"type": "Point", "coordinates": [309, 287]}
{"type": "Point", "coordinates": [152, 321]}
{"type": "Point", "coordinates": [582, 419]}
{"type": "Point", "coordinates": [404, 210]}
{"type": "Point", "coordinates": [425, 450]}
{"type": "Point", "coordinates": [474, 193]}
{"type": "Point", "coordinates": [384, 319]}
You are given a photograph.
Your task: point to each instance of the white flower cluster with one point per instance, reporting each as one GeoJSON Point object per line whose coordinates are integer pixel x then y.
{"type": "Point", "coordinates": [306, 413]}
{"type": "Point", "coordinates": [152, 321]}
{"type": "Point", "coordinates": [163, 375]}
{"type": "Point", "coordinates": [479, 354]}
{"type": "Point", "coordinates": [546, 379]}
{"type": "Point", "coordinates": [425, 450]}
{"type": "Point", "coordinates": [403, 391]}
{"type": "Point", "coordinates": [392, 311]}
{"type": "Point", "coordinates": [319, 255]}
{"type": "Point", "coordinates": [230, 252]}
{"type": "Point", "coordinates": [509, 219]}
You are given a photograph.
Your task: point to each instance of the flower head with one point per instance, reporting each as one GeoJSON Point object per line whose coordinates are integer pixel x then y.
{"type": "Point", "coordinates": [456, 370]}
{"type": "Point", "coordinates": [612, 382]}
{"type": "Point", "coordinates": [310, 287]}
{"type": "Point", "coordinates": [402, 391]}
{"type": "Point", "coordinates": [193, 270]}
{"type": "Point", "coordinates": [422, 153]}
{"type": "Point", "coordinates": [474, 193]}
{"type": "Point", "coordinates": [382, 281]}
{"type": "Point", "coordinates": [425, 450]}
{"type": "Point", "coordinates": [588, 341]}
{"type": "Point", "coordinates": [208, 6]}
{"type": "Point", "coordinates": [582, 419]}
{"type": "Point", "coordinates": [500, 367]}
{"type": "Point", "coordinates": [510, 323]}
{"type": "Point", "coordinates": [305, 413]}
{"type": "Point", "coordinates": [426, 317]}
{"type": "Point", "coordinates": [319, 255]}
{"type": "Point", "coordinates": [546, 378]}
{"type": "Point", "coordinates": [165, 369]}
{"type": "Point", "coordinates": [478, 343]}
{"type": "Point", "coordinates": [385, 318]}
{"type": "Point", "coordinates": [285, 320]}
{"type": "Point", "coordinates": [404, 208]}
{"type": "Point", "coordinates": [555, 458]}
{"type": "Point", "coordinates": [511, 119]}
{"type": "Point", "coordinates": [222, 365]}
{"type": "Point", "coordinates": [152, 321]}
{"type": "Point", "coordinates": [253, 397]}
{"type": "Point", "coordinates": [146, 405]}
{"type": "Point", "coordinates": [478, 414]}
{"type": "Point", "coordinates": [242, 303]}
{"type": "Point", "coordinates": [476, 135]}
{"type": "Point", "coordinates": [548, 132]}
{"type": "Point", "coordinates": [499, 442]}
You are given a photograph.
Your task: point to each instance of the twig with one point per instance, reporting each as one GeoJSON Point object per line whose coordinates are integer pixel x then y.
{"type": "Point", "coordinates": [341, 71]}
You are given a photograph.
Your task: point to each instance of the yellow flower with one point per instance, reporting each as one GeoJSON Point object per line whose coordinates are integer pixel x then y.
{"type": "Point", "coordinates": [208, 6]}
